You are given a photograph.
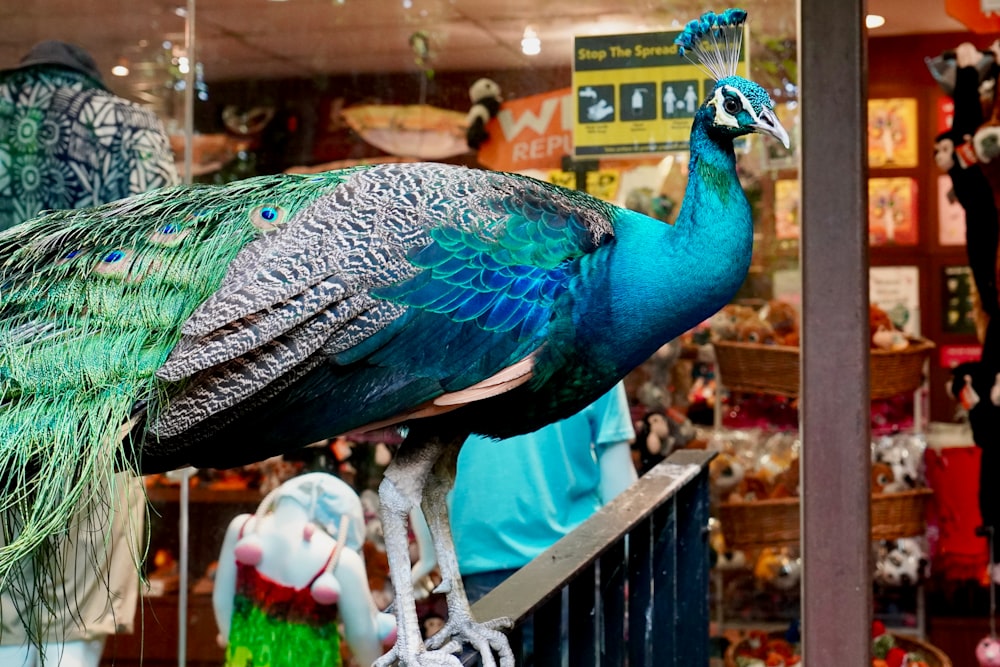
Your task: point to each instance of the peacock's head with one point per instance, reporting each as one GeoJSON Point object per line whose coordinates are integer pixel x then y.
{"type": "Point", "coordinates": [738, 106]}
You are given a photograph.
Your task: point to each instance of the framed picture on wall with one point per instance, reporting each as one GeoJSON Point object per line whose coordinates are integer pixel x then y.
{"type": "Point", "coordinates": [892, 132]}
{"type": "Point", "coordinates": [896, 290]}
{"type": "Point", "coordinates": [892, 211]}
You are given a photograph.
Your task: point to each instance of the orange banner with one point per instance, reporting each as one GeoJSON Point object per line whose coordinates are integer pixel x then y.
{"type": "Point", "coordinates": [971, 13]}
{"type": "Point", "coordinates": [530, 133]}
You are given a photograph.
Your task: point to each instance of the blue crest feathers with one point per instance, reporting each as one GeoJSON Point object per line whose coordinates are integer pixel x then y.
{"type": "Point", "coordinates": [714, 41]}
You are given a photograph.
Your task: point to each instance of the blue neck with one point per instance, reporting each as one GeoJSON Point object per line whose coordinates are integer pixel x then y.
{"type": "Point", "coordinates": [665, 279]}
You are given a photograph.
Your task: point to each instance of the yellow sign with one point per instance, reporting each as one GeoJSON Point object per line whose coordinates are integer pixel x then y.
{"type": "Point", "coordinates": [602, 184]}
{"type": "Point", "coordinates": [635, 94]}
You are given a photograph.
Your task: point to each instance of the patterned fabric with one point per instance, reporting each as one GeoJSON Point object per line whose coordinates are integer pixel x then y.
{"type": "Point", "coordinates": [279, 626]}
{"type": "Point", "coordinates": [66, 142]}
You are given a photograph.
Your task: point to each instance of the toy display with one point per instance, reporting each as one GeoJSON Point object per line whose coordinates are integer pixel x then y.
{"type": "Point", "coordinates": [753, 464]}
{"type": "Point", "coordinates": [782, 649]}
{"type": "Point", "coordinates": [754, 488]}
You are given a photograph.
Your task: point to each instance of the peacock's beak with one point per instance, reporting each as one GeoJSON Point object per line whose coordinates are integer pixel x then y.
{"type": "Point", "coordinates": [768, 124]}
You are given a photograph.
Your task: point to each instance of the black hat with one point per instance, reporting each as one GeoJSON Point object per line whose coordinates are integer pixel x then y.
{"type": "Point", "coordinates": [54, 52]}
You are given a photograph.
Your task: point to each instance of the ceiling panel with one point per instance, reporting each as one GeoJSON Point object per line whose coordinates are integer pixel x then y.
{"type": "Point", "coordinates": [267, 39]}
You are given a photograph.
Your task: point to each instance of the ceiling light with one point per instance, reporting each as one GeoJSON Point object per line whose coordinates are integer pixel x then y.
{"type": "Point", "coordinates": [120, 69]}
{"type": "Point", "coordinates": [874, 21]}
{"type": "Point", "coordinates": [530, 44]}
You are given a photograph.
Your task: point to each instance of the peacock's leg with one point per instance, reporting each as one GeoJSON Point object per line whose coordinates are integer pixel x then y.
{"type": "Point", "coordinates": [484, 637]}
{"type": "Point", "coordinates": [401, 489]}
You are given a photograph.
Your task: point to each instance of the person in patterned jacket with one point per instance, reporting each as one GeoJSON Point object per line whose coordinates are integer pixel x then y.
{"type": "Point", "coordinates": [66, 141]}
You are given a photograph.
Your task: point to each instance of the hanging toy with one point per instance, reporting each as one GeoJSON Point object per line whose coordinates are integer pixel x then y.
{"type": "Point", "coordinates": [987, 138]}
{"type": "Point", "coordinates": [485, 97]}
{"type": "Point", "coordinates": [420, 43]}
{"type": "Point", "coordinates": [988, 649]}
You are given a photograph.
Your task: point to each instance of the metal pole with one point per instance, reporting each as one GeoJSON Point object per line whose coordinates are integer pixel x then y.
{"type": "Point", "coordinates": [189, 93]}
{"type": "Point", "coordinates": [835, 409]}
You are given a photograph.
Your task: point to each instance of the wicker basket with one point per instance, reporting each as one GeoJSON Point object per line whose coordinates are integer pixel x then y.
{"type": "Point", "coordinates": [775, 522]}
{"type": "Point", "coordinates": [774, 369]}
{"type": "Point", "coordinates": [935, 657]}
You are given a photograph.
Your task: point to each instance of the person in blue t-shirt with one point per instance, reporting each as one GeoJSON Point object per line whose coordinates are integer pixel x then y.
{"type": "Point", "coordinates": [515, 498]}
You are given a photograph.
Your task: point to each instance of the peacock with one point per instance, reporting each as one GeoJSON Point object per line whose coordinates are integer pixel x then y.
{"type": "Point", "coordinates": [214, 326]}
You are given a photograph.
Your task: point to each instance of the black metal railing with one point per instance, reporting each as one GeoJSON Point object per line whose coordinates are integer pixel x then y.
{"type": "Point", "coordinates": [628, 587]}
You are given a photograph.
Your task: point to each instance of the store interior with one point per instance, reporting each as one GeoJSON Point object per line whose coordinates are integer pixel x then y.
{"type": "Point", "coordinates": [301, 86]}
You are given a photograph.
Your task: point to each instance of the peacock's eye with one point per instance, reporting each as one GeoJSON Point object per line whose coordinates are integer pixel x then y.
{"type": "Point", "coordinates": [268, 217]}
{"type": "Point", "coordinates": [732, 106]}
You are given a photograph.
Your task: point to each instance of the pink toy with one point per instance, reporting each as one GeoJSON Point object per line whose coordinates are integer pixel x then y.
{"type": "Point", "coordinates": [988, 649]}
{"type": "Point", "coordinates": [988, 652]}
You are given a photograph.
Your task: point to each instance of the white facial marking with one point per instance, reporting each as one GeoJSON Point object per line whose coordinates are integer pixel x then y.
{"type": "Point", "coordinates": [722, 117]}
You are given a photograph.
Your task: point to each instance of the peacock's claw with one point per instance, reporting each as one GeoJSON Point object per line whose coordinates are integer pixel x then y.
{"type": "Point", "coordinates": [485, 637]}
{"type": "Point", "coordinates": [443, 657]}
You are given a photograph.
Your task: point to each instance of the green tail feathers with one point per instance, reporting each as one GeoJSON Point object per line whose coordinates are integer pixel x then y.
{"type": "Point", "coordinates": [91, 304]}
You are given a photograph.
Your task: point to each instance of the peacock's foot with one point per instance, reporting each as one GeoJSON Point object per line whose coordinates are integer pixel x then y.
{"type": "Point", "coordinates": [486, 638]}
{"type": "Point", "coordinates": [442, 657]}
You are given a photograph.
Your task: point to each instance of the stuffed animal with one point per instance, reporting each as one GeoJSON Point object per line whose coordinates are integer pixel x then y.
{"type": "Point", "coordinates": [988, 652]}
{"type": "Point", "coordinates": [882, 477]}
{"type": "Point", "coordinates": [723, 558]}
{"type": "Point", "coordinates": [901, 563]}
{"type": "Point", "coordinates": [725, 323]}
{"type": "Point", "coordinates": [755, 330]}
{"type": "Point", "coordinates": [784, 321]}
{"type": "Point", "coordinates": [777, 568]}
{"type": "Point", "coordinates": [725, 473]}
{"type": "Point", "coordinates": [786, 482]}
{"type": "Point", "coordinates": [660, 433]}
{"type": "Point", "coordinates": [655, 392]}
{"type": "Point", "coordinates": [903, 456]}
{"type": "Point", "coordinates": [882, 331]}
{"type": "Point", "coordinates": [485, 97]}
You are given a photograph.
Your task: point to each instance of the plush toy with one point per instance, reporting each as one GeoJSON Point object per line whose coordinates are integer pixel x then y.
{"type": "Point", "coordinates": [723, 558]}
{"type": "Point", "coordinates": [903, 454]}
{"type": "Point", "coordinates": [882, 331]}
{"type": "Point", "coordinates": [485, 97]}
{"type": "Point", "coordinates": [655, 393]}
{"type": "Point", "coordinates": [726, 322]}
{"type": "Point", "coordinates": [882, 477]}
{"type": "Point", "coordinates": [901, 563]}
{"type": "Point", "coordinates": [786, 482]}
{"type": "Point", "coordinates": [725, 473]}
{"type": "Point", "coordinates": [777, 568]}
{"type": "Point", "coordinates": [660, 433]}
{"type": "Point", "coordinates": [988, 652]}
{"type": "Point", "coordinates": [784, 321]}
{"type": "Point", "coordinates": [755, 330]}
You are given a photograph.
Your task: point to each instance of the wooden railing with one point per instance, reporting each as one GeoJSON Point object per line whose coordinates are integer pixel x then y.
{"type": "Point", "coordinates": [628, 587]}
